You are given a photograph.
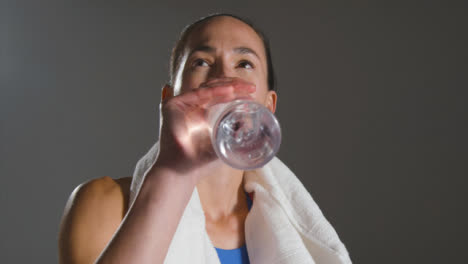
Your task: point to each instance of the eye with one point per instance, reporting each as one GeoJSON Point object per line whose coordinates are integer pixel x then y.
{"type": "Point", "coordinates": [200, 62]}
{"type": "Point", "coordinates": [246, 64]}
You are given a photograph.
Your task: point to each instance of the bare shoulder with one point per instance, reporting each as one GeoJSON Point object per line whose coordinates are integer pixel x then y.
{"type": "Point", "coordinates": [105, 191]}
{"type": "Point", "coordinates": [92, 214]}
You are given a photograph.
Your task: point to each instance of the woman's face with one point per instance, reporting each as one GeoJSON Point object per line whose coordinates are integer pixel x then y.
{"type": "Point", "coordinates": [225, 47]}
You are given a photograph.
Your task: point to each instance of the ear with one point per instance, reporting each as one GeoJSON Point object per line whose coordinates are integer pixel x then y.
{"type": "Point", "coordinates": [270, 101]}
{"type": "Point", "coordinates": [167, 92]}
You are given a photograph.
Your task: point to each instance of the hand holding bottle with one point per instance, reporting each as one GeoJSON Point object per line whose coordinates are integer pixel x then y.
{"type": "Point", "coordinates": [185, 140]}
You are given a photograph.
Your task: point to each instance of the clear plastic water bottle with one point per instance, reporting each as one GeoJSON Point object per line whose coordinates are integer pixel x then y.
{"type": "Point", "coordinates": [244, 133]}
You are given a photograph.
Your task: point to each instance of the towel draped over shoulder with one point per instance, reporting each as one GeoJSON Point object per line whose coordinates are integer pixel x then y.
{"type": "Point", "coordinates": [284, 225]}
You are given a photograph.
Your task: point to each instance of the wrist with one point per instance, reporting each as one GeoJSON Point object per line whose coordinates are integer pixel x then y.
{"type": "Point", "coordinates": [174, 174]}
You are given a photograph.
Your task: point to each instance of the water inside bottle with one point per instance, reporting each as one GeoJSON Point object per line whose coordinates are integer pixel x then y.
{"type": "Point", "coordinates": [247, 136]}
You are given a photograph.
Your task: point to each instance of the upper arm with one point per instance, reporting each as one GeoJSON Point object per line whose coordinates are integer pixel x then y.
{"type": "Point", "coordinates": [92, 214]}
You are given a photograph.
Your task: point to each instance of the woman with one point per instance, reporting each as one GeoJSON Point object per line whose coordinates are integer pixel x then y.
{"type": "Point", "coordinates": [217, 59]}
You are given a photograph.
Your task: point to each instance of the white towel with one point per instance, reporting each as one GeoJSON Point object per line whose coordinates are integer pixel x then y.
{"type": "Point", "coordinates": [284, 225]}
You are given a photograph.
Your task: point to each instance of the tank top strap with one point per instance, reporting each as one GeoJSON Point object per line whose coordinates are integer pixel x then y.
{"type": "Point", "coordinates": [249, 199]}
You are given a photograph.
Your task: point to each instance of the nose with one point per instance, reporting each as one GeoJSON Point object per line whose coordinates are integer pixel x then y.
{"type": "Point", "coordinates": [221, 70]}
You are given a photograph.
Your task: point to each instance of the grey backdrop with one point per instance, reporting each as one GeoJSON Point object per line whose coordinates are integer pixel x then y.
{"type": "Point", "coordinates": [371, 101]}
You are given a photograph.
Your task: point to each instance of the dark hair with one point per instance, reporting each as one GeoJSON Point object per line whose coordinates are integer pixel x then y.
{"type": "Point", "coordinates": [177, 51]}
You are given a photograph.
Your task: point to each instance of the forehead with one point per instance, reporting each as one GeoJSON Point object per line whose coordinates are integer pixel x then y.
{"type": "Point", "coordinates": [226, 31]}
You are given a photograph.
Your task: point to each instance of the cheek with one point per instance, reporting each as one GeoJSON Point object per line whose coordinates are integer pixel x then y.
{"type": "Point", "coordinates": [190, 81]}
{"type": "Point", "coordinates": [261, 91]}
{"type": "Point", "coordinates": [262, 88]}
{"type": "Point", "coordinates": [260, 94]}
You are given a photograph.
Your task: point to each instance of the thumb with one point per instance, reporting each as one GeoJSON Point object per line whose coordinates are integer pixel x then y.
{"type": "Point", "coordinates": [167, 92]}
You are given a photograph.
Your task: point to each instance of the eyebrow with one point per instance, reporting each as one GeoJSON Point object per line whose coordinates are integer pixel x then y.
{"type": "Point", "coordinates": [245, 50]}
{"type": "Point", "coordinates": [239, 50]}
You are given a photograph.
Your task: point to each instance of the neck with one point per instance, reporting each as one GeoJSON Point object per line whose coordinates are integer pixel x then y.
{"type": "Point", "coordinates": [222, 193]}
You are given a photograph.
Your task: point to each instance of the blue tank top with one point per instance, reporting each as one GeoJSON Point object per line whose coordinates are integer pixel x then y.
{"type": "Point", "coordinates": [237, 255]}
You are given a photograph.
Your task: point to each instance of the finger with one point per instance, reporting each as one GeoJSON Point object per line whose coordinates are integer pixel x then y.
{"type": "Point", "coordinates": [203, 96]}
{"type": "Point", "coordinates": [225, 82]}
{"type": "Point", "coordinates": [234, 87]}
{"type": "Point", "coordinates": [228, 98]}
{"type": "Point", "coordinates": [217, 81]}
{"type": "Point", "coordinates": [222, 94]}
